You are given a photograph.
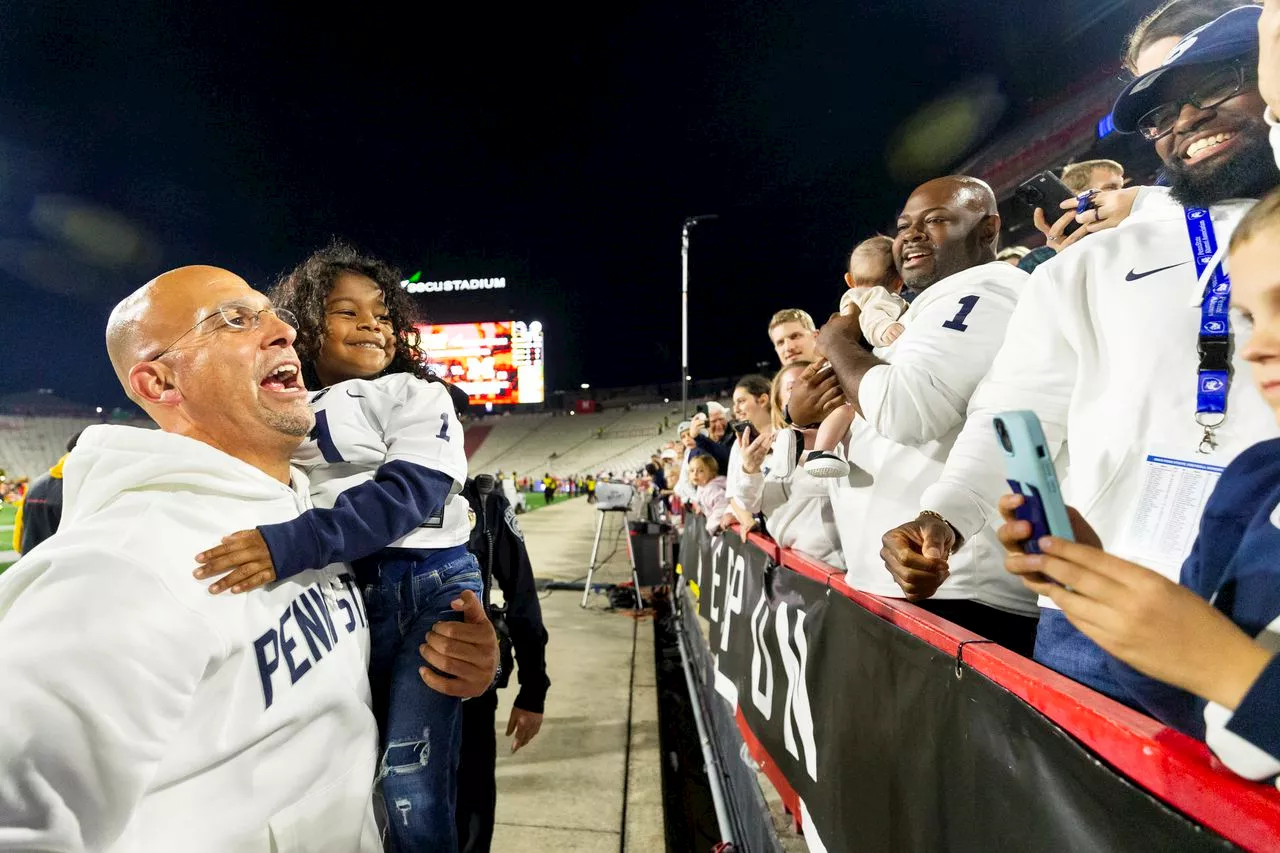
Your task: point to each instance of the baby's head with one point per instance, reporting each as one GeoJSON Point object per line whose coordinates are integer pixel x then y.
{"type": "Point", "coordinates": [703, 469]}
{"type": "Point", "coordinates": [871, 264]}
{"type": "Point", "coordinates": [1255, 290]}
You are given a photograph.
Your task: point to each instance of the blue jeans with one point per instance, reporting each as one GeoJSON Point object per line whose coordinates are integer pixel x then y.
{"type": "Point", "coordinates": [1063, 648]}
{"type": "Point", "coordinates": [405, 593]}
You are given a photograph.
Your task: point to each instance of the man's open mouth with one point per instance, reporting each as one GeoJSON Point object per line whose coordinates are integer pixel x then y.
{"type": "Point", "coordinates": [284, 378]}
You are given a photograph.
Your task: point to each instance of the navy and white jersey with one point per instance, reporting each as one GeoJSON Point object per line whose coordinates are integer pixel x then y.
{"type": "Point", "coordinates": [386, 464]}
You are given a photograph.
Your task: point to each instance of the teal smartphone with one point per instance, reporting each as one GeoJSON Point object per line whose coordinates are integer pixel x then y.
{"type": "Point", "coordinates": [1029, 471]}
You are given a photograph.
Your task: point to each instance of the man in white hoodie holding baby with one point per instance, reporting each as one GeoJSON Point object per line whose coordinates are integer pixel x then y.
{"type": "Point", "coordinates": [142, 713]}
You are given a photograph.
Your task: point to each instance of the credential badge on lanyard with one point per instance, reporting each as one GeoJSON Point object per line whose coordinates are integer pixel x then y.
{"type": "Point", "coordinates": [1213, 378]}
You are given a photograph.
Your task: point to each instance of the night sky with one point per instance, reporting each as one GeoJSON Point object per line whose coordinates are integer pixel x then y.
{"type": "Point", "coordinates": [559, 145]}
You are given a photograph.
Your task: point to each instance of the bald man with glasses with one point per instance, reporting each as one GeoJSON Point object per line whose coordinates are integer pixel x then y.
{"type": "Point", "coordinates": [142, 713]}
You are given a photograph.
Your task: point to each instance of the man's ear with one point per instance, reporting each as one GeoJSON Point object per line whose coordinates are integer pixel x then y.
{"type": "Point", "coordinates": [989, 227]}
{"type": "Point", "coordinates": [152, 382]}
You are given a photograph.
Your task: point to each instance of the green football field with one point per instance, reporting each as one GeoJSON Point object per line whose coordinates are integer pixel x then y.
{"type": "Point", "coordinates": [535, 500]}
{"type": "Point", "coordinates": [6, 535]}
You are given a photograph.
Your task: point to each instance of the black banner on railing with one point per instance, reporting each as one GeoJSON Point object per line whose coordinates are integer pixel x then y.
{"type": "Point", "coordinates": [888, 747]}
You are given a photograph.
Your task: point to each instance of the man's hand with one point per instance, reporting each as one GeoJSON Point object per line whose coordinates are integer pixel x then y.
{"type": "Point", "coordinates": [916, 555]}
{"type": "Point", "coordinates": [1149, 622]}
{"type": "Point", "coordinates": [466, 650]}
{"type": "Point", "coordinates": [815, 394]}
{"type": "Point", "coordinates": [840, 331]}
{"type": "Point", "coordinates": [525, 725]}
{"type": "Point", "coordinates": [1269, 54]}
{"type": "Point", "coordinates": [698, 424]}
{"type": "Point", "coordinates": [245, 556]}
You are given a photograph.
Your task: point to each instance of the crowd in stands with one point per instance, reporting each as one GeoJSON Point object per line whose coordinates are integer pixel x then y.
{"type": "Point", "coordinates": [1147, 343]}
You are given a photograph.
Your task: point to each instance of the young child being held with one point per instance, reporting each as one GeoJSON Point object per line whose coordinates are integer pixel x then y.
{"type": "Point", "coordinates": [713, 499]}
{"type": "Point", "coordinates": [873, 289]}
{"type": "Point", "coordinates": [386, 466]}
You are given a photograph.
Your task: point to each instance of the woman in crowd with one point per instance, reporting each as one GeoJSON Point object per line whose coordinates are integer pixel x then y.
{"type": "Point", "coordinates": [795, 505]}
{"type": "Point", "coordinates": [752, 417]}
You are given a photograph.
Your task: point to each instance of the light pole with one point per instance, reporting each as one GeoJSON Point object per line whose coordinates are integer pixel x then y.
{"type": "Point", "coordinates": [684, 309]}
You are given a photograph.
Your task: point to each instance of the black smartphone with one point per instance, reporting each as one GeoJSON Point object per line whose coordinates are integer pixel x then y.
{"type": "Point", "coordinates": [741, 428]}
{"type": "Point", "coordinates": [1046, 192]}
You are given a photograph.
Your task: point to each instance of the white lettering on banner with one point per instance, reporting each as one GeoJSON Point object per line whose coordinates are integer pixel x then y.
{"type": "Point", "coordinates": [715, 579]}
{"type": "Point", "coordinates": [457, 284]}
{"type": "Point", "coordinates": [762, 699]}
{"type": "Point", "coordinates": [795, 661]}
{"type": "Point", "coordinates": [733, 595]}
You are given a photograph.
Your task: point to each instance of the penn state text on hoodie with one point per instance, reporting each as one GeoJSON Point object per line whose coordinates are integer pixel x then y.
{"type": "Point", "coordinates": [142, 713]}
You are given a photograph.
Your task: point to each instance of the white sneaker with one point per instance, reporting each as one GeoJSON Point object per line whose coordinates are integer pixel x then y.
{"type": "Point", "coordinates": [825, 465]}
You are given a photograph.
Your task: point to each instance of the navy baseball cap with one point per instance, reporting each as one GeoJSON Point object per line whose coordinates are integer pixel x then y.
{"type": "Point", "coordinates": [1231, 36]}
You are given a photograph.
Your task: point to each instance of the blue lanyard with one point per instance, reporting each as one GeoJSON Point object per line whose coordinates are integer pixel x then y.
{"type": "Point", "coordinates": [1213, 378]}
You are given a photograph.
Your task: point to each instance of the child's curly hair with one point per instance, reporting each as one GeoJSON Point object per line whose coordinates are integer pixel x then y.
{"type": "Point", "coordinates": [304, 291]}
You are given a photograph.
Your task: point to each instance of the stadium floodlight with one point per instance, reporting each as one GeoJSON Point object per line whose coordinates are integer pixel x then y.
{"type": "Point", "coordinates": [99, 410]}
{"type": "Point", "coordinates": [684, 307]}
{"type": "Point", "coordinates": [584, 386]}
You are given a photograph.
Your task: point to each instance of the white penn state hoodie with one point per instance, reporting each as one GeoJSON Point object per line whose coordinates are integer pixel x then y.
{"type": "Point", "coordinates": [139, 712]}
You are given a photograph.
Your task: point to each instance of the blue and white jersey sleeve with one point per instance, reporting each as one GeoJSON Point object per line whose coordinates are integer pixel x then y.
{"type": "Point", "coordinates": [387, 465]}
{"type": "Point", "coordinates": [953, 331]}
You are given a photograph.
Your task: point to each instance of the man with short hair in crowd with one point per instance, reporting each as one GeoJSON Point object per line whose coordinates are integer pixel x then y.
{"type": "Point", "coordinates": [712, 435]}
{"type": "Point", "coordinates": [142, 713]}
{"type": "Point", "coordinates": [1097, 175]}
{"type": "Point", "coordinates": [911, 398]}
{"type": "Point", "coordinates": [1123, 348]}
{"type": "Point", "coordinates": [794, 335]}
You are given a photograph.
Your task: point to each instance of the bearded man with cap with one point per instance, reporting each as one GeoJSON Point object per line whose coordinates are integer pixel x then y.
{"type": "Point", "coordinates": [1125, 350]}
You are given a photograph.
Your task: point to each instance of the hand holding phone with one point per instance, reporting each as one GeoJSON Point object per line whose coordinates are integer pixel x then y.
{"type": "Point", "coordinates": [1030, 473]}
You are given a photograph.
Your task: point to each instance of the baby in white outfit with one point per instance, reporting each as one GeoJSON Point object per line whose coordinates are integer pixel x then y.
{"type": "Point", "coordinates": [873, 280]}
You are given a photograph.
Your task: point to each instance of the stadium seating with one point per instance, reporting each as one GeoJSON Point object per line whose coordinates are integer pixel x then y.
{"type": "Point", "coordinates": [29, 445]}
{"type": "Point", "coordinates": [566, 445]}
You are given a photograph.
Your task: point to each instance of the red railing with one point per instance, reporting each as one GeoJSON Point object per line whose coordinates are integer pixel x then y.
{"type": "Point", "coordinates": [1171, 766]}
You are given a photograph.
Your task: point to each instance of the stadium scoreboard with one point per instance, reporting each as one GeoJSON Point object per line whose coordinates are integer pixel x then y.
{"type": "Point", "coordinates": [498, 362]}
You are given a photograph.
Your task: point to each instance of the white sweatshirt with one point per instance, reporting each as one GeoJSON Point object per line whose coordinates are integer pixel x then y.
{"type": "Point", "coordinates": [1103, 348]}
{"type": "Point", "coordinates": [796, 506]}
{"type": "Point", "coordinates": [685, 490]}
{"type": "Point", "coordinates": [913, 408]}
{"type": "Point", "coordinates": [141, 713]}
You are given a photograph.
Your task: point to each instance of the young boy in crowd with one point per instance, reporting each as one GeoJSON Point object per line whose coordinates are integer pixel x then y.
{"type": "Point", "coordinates": [1202, 651]}
{"type": "Point", "coordinates": [874, 283]}
{"type": "Point", "coordinates": [713, 498]}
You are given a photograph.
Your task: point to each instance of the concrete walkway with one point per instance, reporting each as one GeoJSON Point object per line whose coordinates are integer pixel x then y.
{"type": "Point", "coordinates": [591, 780]}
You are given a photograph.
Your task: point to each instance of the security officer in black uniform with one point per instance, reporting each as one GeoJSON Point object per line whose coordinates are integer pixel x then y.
{"type": "Point", "coordinates": [498, 543]}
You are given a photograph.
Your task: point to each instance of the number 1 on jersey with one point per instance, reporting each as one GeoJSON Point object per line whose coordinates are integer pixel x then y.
{"type": "Point", "coordinates": [966, 306]}
{"type": "Point", "coordinates": [444, 427]}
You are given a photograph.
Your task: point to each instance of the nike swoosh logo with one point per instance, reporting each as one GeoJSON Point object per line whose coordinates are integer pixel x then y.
{"type": "Point", "coordinates": [1134, 275]}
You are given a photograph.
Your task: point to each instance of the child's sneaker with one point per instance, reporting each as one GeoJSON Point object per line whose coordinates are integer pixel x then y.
{"type": "Point", "coordinates": [825, 465]}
